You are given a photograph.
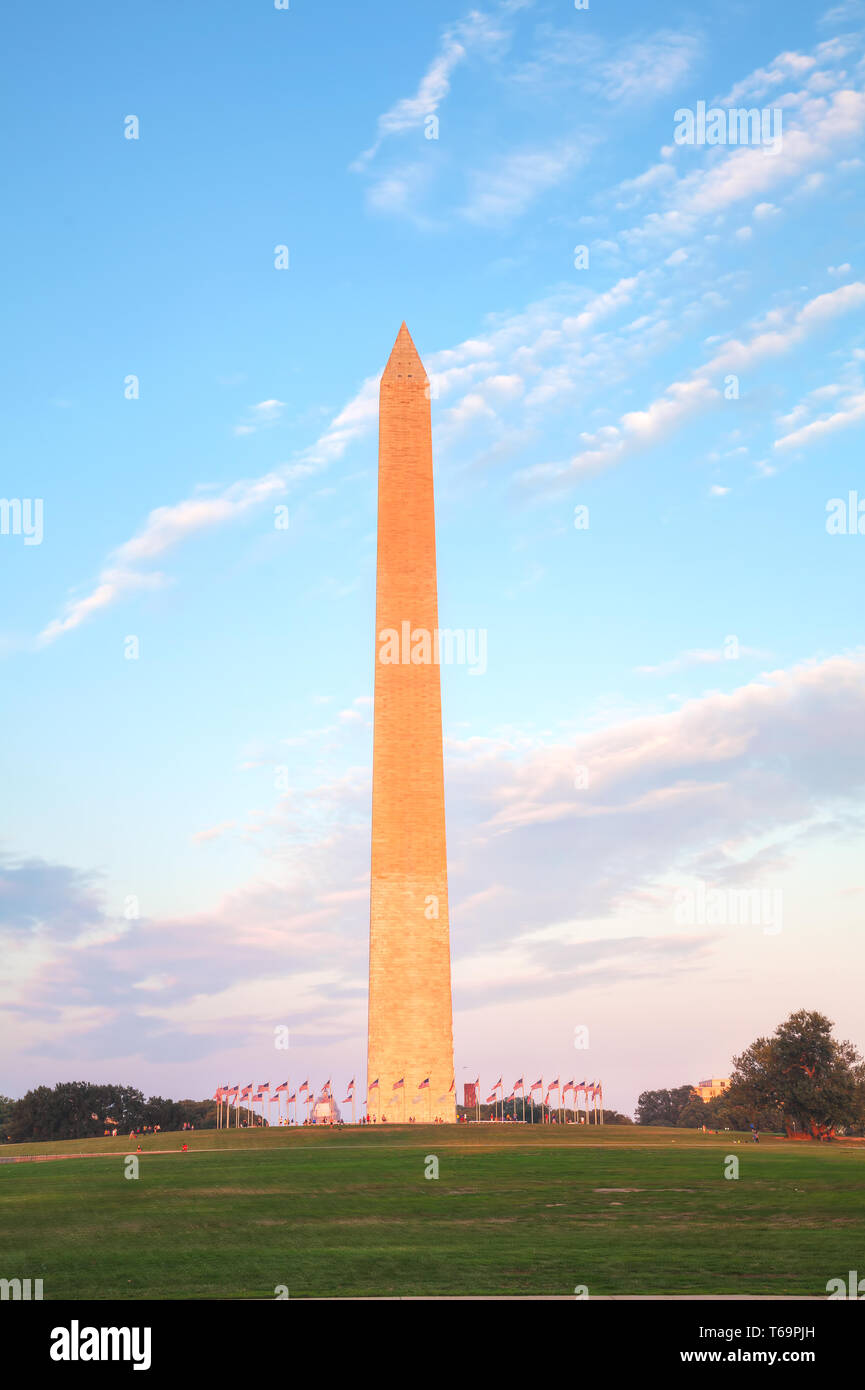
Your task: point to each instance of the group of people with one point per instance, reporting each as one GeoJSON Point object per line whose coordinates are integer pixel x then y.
{"type": "Point", "coordinates": [382, 1120]}
{"type": "Point", "coordinates": [142, 1129]}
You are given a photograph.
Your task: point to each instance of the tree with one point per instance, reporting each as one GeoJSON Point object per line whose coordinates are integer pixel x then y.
{"type": "Point", "coordinates": [81, 1109]}
{"type": "Point", "coordinates": [6, 1106]}
{"type": "Point", "coordinates": [663, 1107]}
{"type": "Point", "coordinates": [694, 1114]}
{"type": "Point", "coordinates": [810, 1081]}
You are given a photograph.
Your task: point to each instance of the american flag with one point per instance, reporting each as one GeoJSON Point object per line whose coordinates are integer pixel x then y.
{"type": "Point", "coordinates": [568, 1086]}
{"type": "Point", "coordinates": [553, 1086]}
{"type": "Point", "coordinates": [282, 1087]}
{"type": "Point", "coordinates": [424, 1085]}
{"type": "Point", "coordinates": [453, 1083]}
{"type": "Point", "coordinates": [292, 1098]}
{"type": "Point", "coordinates": [397, 1084]}
{"type": "Point", "coordinates": [258, 1096]}
{"type": "Point", "coordinates": [264, 1086]}
{"type": "Point", "coordinates": [373, 1085]}
{"type": "Point", "coordinates": [490, 1099]}
{"type": "Point", "coordinates": [536, 1085]}
{"type": "Point", "coordinates": [518, 1084]}
{"type": "Point", "coordinates": [498, 1084]}
{"type": "Point", "coordinates": [351, 1084]}
{"type": "Point", "coordinates": [304, 1087]}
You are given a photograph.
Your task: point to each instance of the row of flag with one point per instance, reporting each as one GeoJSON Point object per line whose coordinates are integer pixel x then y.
{"type": "Point", "coordinates": [224, 1095]}
{"type": "Point", "coordinates": [400, 1086]}
{"type": "Point", "coordinates": [589, 1089]}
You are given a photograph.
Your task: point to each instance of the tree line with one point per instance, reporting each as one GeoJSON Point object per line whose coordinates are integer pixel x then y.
{"type": "Point", "coordinates": [800, 1081]}
{"type": "Point", "coordinates": [82, 1110]}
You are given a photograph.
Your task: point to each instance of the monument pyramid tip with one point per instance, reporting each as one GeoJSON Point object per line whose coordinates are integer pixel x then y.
{"type": "Point", "coordinates": [404, 357]}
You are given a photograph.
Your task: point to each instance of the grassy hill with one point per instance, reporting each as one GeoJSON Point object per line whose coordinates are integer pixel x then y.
{"type": "Point", "coordinates": [534, 1210]}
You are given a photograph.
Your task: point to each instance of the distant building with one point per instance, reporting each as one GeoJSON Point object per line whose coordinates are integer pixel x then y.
{"type": "Point", "coordinates": [711, 1089]}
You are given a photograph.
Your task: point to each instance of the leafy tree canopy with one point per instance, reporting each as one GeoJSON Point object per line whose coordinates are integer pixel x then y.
{"type": "Point", "coordinates": [78, 1109]}
{"type": "Point", "coordinates": [810, 1081]}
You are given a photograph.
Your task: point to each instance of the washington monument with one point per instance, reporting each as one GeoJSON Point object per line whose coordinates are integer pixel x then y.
{"type": "Point", "coordinates": [411, 1050]}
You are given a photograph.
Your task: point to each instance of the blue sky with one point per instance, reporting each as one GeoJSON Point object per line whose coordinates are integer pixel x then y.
{"type": "Point", "coordinates": [697, 648]}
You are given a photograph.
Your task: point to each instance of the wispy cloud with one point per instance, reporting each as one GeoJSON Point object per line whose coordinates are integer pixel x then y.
{"type": "Point", "coordinates": [639, 429]}
{"type": "Point", "coordinates": [505, 190]}
{"type": "Point", "coordinates": [477, 32]}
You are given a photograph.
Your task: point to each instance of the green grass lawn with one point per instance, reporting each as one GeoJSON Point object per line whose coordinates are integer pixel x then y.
{"type": "Point", "coordinates": [538, 1210]}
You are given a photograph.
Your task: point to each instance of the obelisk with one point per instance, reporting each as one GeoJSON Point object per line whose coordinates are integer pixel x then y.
{"type": "Point", "coordinates": [410, 1009]}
